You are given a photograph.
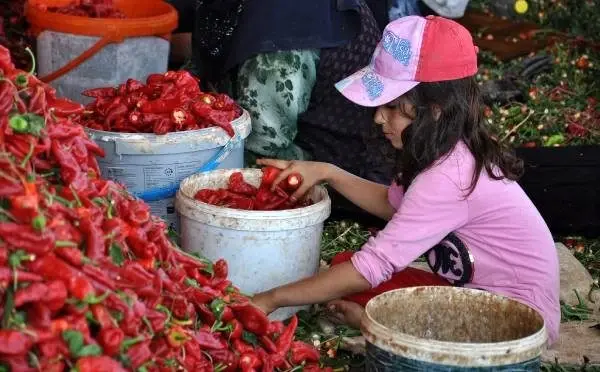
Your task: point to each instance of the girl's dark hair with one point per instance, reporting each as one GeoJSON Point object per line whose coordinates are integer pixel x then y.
{"type": "Point", "coordinates": [459, 106]}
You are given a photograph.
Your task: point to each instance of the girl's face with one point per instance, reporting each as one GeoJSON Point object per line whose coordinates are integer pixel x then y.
{"type": "Point", "coordinates": [394, 118]}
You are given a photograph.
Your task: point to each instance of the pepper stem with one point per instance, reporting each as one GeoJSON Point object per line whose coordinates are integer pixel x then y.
{"type": "Point", "coordinates": [32, 71]}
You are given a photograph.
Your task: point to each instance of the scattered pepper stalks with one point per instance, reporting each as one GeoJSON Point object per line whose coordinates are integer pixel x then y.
{"type": "Point", "coordinates": [91, 281]}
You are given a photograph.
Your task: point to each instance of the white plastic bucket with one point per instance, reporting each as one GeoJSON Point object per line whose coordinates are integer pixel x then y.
{"type": "Point", "coordinates": [442, 329]}
{"type": "Point", "coordinates": [146, 161]}
{"type": "Point", "coordinates": [264, 249]}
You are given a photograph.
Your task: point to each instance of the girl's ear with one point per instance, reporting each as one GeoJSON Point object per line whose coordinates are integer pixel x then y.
{"type": "Point", "coordinates": [436, 111]}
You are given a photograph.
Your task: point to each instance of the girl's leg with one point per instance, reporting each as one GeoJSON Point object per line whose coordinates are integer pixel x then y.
{"type": "Point", "coordinates": [408, 277]}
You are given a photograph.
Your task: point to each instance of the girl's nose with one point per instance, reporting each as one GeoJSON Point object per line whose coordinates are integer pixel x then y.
{"type": "Point", "coordinates": [379, 117]}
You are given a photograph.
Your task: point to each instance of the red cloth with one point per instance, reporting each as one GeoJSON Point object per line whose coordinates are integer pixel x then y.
{"type": "Point", "coordinates": [409, 277]}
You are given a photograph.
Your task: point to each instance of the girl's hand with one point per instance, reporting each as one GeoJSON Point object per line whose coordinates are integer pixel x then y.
{"type": "Point", "coordinates": [312, 173]}
{"type": "Point", "coordinates": [265, 302]}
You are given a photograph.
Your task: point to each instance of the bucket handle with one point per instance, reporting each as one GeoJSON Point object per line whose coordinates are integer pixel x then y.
{"type": "Point", "coordinates": [111, 37]}
{"type": "Point", "coordinates": [160, 193]}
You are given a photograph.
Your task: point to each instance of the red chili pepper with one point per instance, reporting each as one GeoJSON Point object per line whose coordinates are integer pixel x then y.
{"type": "Point", "coordinates": [65, 108]}
{"type": "Point", "coordinates": [110, 339]}
{"type": "Point", "coordinates": [7, 274]}
{"type": "Point", "coordinates": [223, 120]}
{"type": "Point", "coordinates": [94, 239]}
{"type": "Point", "coordinates": [57, 295]}
{"type": "Point", "coordinates": [241, 347]}
{"type": "Point", "coordinates": [220, 269]}
{"type": "Point", "coordinates": [39, 315]}
{"type": "Point", "coordinates": [269, 174]}
{"type": "Point", "coordinates": [239, 186]}
{"type": "Point", "coordinates": [177, 337]}
{"type": "Point", "coordinates": [53, 348]}
{"type": "Point", "coordinates": [3, 260]}
{"type": "Point", "coordinates": [100, 92]}
{"type": "Point", "coordinates": [71, 254]}
{"type": "Point", "coordinates": [249, 361]}
{"type": "Point", "coordinates": [99, 364]}
{"type": "Point", "coordinates": [226, 358]}
{"type": "Point", "coordinates": [268, 344]}
{"type": "Point", "coordinates": [209, 340]}
{"type": "Point", "coordinates": [34, 292]}
{"type": "Point", "coordinates": [252, 318]}
{"type": "Point", "coordinates": [266, 360]}
{"type": "Point", "coordinates": [275, 328]}
{"type": "Point", "coordinates": [26, 238]}
{"type": "Point", "coordinates": [139, 354]}
{"type": "Point", "coordinates": [236, 329]}
{"type": "Point", "coordinates": [14, 342]}
{"type": "Point", "coordinates": [80, 287]}
{"type": "Point", "coordinates": [284, 341]}
{"type": "Point", "coordinates": [102, 316]}
{"type": "Point", "coordinates": [52, 365]}
{"type": "Point", "coordinates": [292, 182]}
{"type": "Point", "coordinates": [302, 352]}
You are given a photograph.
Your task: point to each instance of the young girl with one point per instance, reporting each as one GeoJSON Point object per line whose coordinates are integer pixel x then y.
{"type": "Point", "coordinates": [456, 199]}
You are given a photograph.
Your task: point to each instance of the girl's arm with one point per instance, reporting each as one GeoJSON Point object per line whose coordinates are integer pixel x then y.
{"type": "Point", "coordinates": [370, 196]}
{"type": "Point", "coordinates": [337, 282]}
{"type": "Point", "coordinates": [434, 207]}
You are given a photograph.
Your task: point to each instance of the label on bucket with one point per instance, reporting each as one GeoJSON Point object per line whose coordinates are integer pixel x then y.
{"type": "Point", "coordinates": [165, 209]}
{"type": "Point", "coordinates": [140, 178]}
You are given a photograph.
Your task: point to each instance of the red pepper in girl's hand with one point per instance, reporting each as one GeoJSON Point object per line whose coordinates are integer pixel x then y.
{"type": "Point", "coordinates": [292, 182]}
{"type": "Point", "coordinates": [269, 174]}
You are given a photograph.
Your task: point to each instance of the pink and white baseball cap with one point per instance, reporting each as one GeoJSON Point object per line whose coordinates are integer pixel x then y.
{"type": "Point", "coordinates": [412, 50]}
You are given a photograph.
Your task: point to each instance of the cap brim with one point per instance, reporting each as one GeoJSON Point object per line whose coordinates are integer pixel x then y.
{"type": "Point", "coordinates": [367, 88]}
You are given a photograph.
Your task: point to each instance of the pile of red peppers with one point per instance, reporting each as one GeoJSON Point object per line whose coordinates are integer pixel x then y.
{"type": "Point", "coordinates": [239, 194]}
{"type": "Point", "coordinates": [89, 280]}
{"type": "Point", "coordinates": [169, 102]}
{"type": "Point", "coordinates": [90, 8]}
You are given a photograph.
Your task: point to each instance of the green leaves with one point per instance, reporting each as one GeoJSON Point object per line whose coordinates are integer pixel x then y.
{"type": "Point", "coordinates": [116, 254]}
{"type": "Point", "coordinates": [77, 347]}
{"type": "Point", "coordinates": [250, 338]}
{"type": "Point", "coordinates": [27, 124]}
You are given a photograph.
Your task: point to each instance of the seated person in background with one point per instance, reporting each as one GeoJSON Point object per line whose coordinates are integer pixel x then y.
{"type": "Point", "coordinates": [280, 60]}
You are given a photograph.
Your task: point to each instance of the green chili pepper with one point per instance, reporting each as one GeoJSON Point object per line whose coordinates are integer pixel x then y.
{"type": "Point", "coordinates": [19, 124]}
{"type": "Point", "coordinates": [39, 222]}
{"type": "Point", "coordinates": [217, 307]}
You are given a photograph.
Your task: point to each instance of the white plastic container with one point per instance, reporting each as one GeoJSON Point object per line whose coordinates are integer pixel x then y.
{"type": "Point", "coordinates": [133, 58]}
{"type": "Point", "coordinates": [146, 161]}
{"type": "Point", "coordinates": [264, 249]}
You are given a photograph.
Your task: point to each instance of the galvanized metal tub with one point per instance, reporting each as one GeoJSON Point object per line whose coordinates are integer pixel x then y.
{"type": "Point", "coordinates": [451, 329]}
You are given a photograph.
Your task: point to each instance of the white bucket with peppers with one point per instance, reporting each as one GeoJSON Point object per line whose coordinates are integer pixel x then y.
{"type": "Point", "coordinates": [264, 249]}
{"type": "Point", "coordinates": [156, 164]}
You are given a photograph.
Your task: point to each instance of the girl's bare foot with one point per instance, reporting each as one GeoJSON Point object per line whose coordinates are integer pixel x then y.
{"type": "Point", "coordinates": [346, 312]}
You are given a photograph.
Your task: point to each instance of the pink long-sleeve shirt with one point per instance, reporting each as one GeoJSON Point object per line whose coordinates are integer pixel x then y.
{"type": "Point", "coordinates": [493, 239]}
